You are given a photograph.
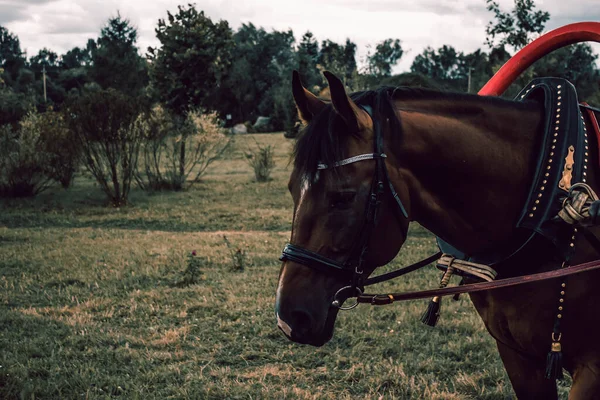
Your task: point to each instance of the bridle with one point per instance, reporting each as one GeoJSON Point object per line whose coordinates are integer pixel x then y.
{"type": "Point", "coordinates": [352, 267]}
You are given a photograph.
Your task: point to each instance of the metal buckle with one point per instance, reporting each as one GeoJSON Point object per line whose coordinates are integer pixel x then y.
{"type": "Point", "coordinates": [337, 303]}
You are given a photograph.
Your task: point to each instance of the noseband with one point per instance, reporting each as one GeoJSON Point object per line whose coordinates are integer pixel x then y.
{"type": "Point", "coordinates": [352, 267]}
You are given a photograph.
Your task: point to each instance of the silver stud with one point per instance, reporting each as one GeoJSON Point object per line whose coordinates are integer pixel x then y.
{"type": "Point", "coordinates": [543, 188]}
{"type": "Point", "coordinates": [585, 167]}
{"type": "Point", "coordinates": [553, 140]}
{"type": "Point", "coordinates": [539, 195]}
{"type": "Point", "coordinates": [531, 215]}
{"type": "Point", "coordinates": [534, 208]}
{"type": "Point", "coordinates": [556, 134]}
{"type": "Point", "coordinates": [537, 202]}
{"type": "Point", "coordinates": [558, 104]}
{"type": "Point", "coordinates": [559, 86]}
{"type": "Point", "coordinates": [545, 181]}
{"type": "Point", "coordinates": [547, 174]}
{"type": "Point", "coordinates": [571, 244]}
{"type": "Point", "coordinates": [559, 97]}
{"type": "Point", "coordinates": [575, 230]}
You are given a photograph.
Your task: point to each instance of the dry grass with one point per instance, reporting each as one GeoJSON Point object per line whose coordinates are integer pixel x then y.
{"type": "Point", "coordinates": [92, 306]}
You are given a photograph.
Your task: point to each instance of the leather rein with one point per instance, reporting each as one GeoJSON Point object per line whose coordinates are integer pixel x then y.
{"type": "Point", "coordinates": [352, 267]}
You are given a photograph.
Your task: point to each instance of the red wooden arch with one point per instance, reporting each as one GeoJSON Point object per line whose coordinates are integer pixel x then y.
{"type": "Point", "coordinates": [561, 37]}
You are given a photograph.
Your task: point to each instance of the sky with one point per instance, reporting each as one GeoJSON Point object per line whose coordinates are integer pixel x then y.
{"type": "Point", "coordinates": [61, 25]}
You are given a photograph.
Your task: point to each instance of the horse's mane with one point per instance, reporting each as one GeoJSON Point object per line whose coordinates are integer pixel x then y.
{"type": "Point", "coordinates": [324, 139]}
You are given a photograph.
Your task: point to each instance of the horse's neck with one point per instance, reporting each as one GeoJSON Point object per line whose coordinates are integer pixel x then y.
{"type": "Point", "coordinates": [468, 167]}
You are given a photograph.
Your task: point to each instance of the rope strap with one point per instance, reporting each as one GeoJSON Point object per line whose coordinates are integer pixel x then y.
{"type": "Point", "coordinates": [580, 207]}
{"type": "Point", "coordinates": [481, 271]}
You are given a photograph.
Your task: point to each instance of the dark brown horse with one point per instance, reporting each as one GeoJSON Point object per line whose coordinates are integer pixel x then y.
{"type": "Point", "coordinates": [462, 166]}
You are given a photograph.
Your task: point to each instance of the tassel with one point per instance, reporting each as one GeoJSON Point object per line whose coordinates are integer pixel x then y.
{"type": "Point", "coordinates": [430, 317]}
{"type": "Point", "coordinates": [554, 362]}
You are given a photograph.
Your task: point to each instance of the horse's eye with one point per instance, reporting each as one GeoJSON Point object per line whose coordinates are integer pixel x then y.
{"type": "Point", "coordinates": [341, 200]}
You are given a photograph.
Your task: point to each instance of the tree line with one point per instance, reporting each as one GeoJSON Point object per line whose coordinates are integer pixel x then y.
{"type": "Point", "coordinates": [125, 115]}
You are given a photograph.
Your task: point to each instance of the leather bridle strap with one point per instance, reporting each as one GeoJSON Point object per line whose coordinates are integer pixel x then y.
{"type": "Point", "coordinates": [382, 299]}
{"type": "Point", "coordinates": [314, 260]}
{"type": "Point", "coordinates": [403, 271]}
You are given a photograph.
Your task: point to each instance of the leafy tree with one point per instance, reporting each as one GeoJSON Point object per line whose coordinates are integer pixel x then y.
{"type": "Point", "coordinates": [12, 59]}
{"type": "Point", "coordinates": [188, 69]}
{"type": "Point", "coordinates": [517, 27]}
{"type": "Point", "coordinates": [115, 60]}
{"type": "Point", "coordinates": [308, 57]}
{"type": "Point", "coordinates": [387, 54]}
{"type": "Point", "coordinates": [339, 59]}
{"type": "Point", "coordinates": [79, 57]}
{"type": "Point", "coordinates": [264, 63]}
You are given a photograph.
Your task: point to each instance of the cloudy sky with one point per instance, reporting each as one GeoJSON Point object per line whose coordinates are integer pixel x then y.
{"type": "Point", "coordinates": [63, 24]}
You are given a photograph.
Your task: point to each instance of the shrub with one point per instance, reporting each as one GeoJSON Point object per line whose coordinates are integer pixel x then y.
{"type": "Point", "coordinates": [238, 256]}
{"type": "Point", "coordinates": [107, 125]}
{"type": "Point", "coordinates": [23, 163]}
{"type": "Point", "coordinates": [178, 151]}
{"type": "Point", "coordinates": [192, 273]}
{"type": "Point", "coordinates": [58, 141]}
{"type": "Point", "coordinates": [261, 160]}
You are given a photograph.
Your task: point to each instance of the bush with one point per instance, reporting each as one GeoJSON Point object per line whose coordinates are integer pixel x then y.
{"type": "Point", "coordinates": [58, 141]}
{"type": "Point", "coordinates": [178, 151]}
{"type": "Point", "coordinates": [107, 125]}
{"type": "Point", "coordinates": [24, 162]}
{"type": "Point", "coordinates": [262, 162]}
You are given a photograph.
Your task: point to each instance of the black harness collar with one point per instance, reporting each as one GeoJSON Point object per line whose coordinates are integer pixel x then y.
{"type": "Point", "coordinates": [564, 131]}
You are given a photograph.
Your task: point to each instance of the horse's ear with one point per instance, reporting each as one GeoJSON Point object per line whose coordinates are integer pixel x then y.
{"type": "Point", "coordinates": [355, 117]}
{"type": "Point", "coordinates": [307, 103]}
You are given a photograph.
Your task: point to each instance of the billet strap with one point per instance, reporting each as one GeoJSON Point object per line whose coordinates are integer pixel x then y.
{"type": "Point", "coordinates": [481, 271]}
{"type": "Point", "coordinates": [388, 298]}
{"type": "Point", "coordinates": [350, 160]}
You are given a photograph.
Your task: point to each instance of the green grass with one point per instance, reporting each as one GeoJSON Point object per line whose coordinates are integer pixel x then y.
{"type": "Point", "coordinates": [94, 305]}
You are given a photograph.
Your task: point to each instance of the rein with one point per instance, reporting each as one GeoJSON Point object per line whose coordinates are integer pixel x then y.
{"type": "Point", "coordinates": [382, 299]}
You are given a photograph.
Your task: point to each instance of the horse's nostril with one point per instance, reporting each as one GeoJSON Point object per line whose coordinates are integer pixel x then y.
{"type": "Point", "coordinates": [301, 322]}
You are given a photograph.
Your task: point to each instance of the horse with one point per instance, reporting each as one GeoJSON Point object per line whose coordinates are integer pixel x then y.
{"type": "Point", "coordinates": [462, 166]}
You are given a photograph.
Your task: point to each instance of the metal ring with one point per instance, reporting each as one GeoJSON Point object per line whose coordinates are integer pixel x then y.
{"type": "Point", "coordinates": [338, 304]}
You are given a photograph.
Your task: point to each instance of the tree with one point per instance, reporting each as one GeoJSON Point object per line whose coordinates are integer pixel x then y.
{"type": "Point", "coordinates": [252, 87]}
{"type": "Point", "coordinates": [387, 54]}
{"type": "Point", "coordinates": [339, 59]}
{"type": "Point", "coordinates": [308, 57]}
{"type": "Point", "coordinates": [12, 59]}
{"type": "Point", "coordinates": [517, 27]}
{"type": "Point", "coordinates": [115, 60]}
{"type": "Point", "coordinates": [79, 57]}
{"type": "Point", "coordinates": [188, 69]}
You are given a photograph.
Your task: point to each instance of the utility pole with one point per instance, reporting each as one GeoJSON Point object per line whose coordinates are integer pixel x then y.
{"type": "Point", "coordinates": [44, 78]}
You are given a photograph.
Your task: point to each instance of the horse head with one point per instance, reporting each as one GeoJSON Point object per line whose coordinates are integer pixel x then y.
{"type": "Point", "coordinates": [334, 222]}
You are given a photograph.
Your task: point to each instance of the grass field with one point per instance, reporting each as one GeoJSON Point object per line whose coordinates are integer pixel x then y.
{"type": "Point", "coordinates": [94, 304]}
